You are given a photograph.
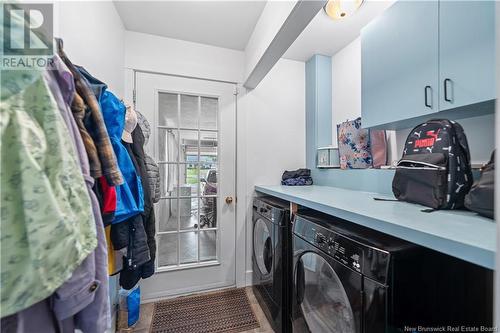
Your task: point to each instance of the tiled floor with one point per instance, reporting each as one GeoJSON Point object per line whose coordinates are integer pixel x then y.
{"type": "Point", "coordinates": [144, 322]}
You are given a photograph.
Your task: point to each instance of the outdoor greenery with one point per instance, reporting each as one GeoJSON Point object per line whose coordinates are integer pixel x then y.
{"type": "Point", "coordinates": [192, 175]}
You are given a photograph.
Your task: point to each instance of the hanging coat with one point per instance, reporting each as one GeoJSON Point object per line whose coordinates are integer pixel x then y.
{"type": "Point", "coordinates": [129, 195]}
{"type": "Point", "coordinates": [95, 126]}
{"type": "Point", "coordinates": [153, 171]}
{"type": "Point", "coordinates": [149, 214]}
{"type": "Point", "coordinates": [134, 268]}
{"type": "Point", "coordinates": [48, 227]}
{"type": "Point", "coordinates": [85, 294]}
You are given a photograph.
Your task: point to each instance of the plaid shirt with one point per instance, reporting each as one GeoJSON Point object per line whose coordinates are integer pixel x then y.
{"type": "Point", "coordinates": [96, 127]}
{"type": "Point", "coordinates": [78, 109]}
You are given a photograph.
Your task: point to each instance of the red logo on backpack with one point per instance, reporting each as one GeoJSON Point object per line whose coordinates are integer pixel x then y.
{"type": "Point", "coordinates": [429, 140]}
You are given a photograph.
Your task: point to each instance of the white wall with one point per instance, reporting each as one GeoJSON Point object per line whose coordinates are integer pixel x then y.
{"type": "Point", "coordinates": [271, 135]}
{"type": "Point", "coordinates": [346, 91]}
{"type": "Point", "coordinates": [93, 36]}
{"type": "Point", "coordinates": [346, 85]}
{"type": "Point", "coordinates": [173, 56]}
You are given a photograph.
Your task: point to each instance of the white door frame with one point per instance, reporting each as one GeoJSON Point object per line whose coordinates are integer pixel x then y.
{"type": "Point", "coordinates": [242, 276]}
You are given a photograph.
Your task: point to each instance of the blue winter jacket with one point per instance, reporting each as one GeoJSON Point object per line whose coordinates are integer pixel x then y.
{"type": "Point", "coordinates": [129, 195]}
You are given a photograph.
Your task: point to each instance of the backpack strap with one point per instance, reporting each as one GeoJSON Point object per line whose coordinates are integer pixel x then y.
{"type": "Point", "coordinates": [384, 199]}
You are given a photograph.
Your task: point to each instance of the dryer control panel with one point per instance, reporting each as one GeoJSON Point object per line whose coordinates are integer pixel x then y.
{"type": "Point", "coordinates": [273, 212]}
{"type": "Point", "coordinates": [360, 250]}
{"type": "Point", "coordinates": [337, 246]}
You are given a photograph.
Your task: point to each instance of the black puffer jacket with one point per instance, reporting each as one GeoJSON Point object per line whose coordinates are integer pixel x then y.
{"type": "Point", "coordinates": [131, 233]}
{"type": "Point", "coordinates": [148, 216]}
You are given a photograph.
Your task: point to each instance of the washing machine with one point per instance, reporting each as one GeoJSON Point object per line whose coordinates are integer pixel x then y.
{"type": "Point", "coordinates": [272, 260]}
{"type": "Point", "coordinates": [351, 279]}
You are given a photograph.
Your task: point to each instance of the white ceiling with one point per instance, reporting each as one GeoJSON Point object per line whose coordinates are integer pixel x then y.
{"type": "Point", "coordinates": [326, 36]}
{"type": "Point", "coordinates": [226, 24]}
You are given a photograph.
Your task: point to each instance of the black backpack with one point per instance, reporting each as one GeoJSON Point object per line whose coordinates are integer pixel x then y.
{"type": "Point", "coordinates": [481, 198]}
{"type": "Point", "coordinates": [435, 169]}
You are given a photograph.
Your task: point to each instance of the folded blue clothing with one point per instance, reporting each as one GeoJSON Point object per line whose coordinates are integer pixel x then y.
{"type": "Point", "coordinates": [296, 174]}
{"type": "Point", "coordinates": [297, 181]}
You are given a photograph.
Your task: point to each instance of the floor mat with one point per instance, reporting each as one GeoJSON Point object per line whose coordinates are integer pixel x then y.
{"type": "Point", "coordinates": [224, 311]}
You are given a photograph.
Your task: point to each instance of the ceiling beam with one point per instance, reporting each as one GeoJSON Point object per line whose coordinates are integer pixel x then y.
{"type": "Point", "coordinates": [298, 19]}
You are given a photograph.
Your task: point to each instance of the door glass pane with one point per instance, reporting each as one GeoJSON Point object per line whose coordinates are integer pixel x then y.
{"type": "Point", "coordinates": [188, 175]}
{"type": "Point", "coordinates": [208, 145]}
{"type": "Point", "coordinates": [208, 242]}
{"type": "Point", "coordinates": [167, 214]}
{"type": "Point", "coordinates": [262, 247]}
{"type": "Point", "coordinates": [208, 117]}
{"type": "Point", "coordinates": [189, 179]}
{"type": "Point", "coordinates": [189, 213]}
{"type": "Point", "coordinates": [168, 145]}
{"type": "Point", "coordinates": [189, 247]}
{"type": "Point", "coordinates": [168, 110]}
{"type": "Point", "coordinates": [167, 250]}
{"type": "Point", "coordinates": [189, 146]}
{"type": "Point", "coordinates": [209, 182]}
{"type": "Point", "coordinates": [208, 162]}
{"type": "Point", "coordinates": [325, 305]}
{"type": "Point", "coordinates": [189, 112]}
{"type": "Point", "coordinates": [208, 212]}
{"type": "Point", "coordinates": [168, 179]}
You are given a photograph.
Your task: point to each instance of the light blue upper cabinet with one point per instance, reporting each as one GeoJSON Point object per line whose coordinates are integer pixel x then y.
{"type": "Point", "coordinates": [466, 52]}
{"type": "Point", "coordinates": [425, 59]}
{"type": "Point", "coordinates": [399, 52]}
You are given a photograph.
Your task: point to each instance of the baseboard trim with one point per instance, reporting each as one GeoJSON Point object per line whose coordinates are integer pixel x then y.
{"type": "Point", "coordinates": [249, 277]}
{"type": "Point", "coordinates": [154, 297]}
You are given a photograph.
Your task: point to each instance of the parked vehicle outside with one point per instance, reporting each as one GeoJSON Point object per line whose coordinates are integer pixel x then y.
{"type": "Point", "coordinates": [208, 213]}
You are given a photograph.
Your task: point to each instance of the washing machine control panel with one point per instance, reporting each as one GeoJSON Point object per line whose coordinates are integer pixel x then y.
{"type": "Point", "coordinates": [273, 214]}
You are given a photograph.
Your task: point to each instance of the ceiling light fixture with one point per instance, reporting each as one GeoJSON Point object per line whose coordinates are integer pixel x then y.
{"type": "Point", "coordinates": [339, 9]}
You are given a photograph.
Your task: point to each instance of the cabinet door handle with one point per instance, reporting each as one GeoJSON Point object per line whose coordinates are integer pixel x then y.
{"type": "Point", "coordinates": [426, 89]}
{"type": "Point", "coordinates": [445, 83]}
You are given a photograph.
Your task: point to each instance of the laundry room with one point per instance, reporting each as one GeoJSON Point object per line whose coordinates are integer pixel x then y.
{"type": "Point", "coordinates": [249, 166]}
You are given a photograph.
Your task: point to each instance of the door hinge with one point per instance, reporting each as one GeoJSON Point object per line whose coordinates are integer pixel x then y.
{"type": "Point", "coordinates": [133, 97]}
{"type": "Point", "coordinates": [236, 90]}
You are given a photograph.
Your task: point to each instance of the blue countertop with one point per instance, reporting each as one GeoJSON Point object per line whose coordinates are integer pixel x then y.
{"type": "Point", "coordinates": [461, 234]}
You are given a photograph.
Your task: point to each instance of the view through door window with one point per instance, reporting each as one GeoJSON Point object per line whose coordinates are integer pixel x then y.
{"type": "Point", "coordinates": [187, 154]}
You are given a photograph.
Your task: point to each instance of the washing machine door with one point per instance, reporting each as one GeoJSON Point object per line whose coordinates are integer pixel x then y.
{"type": "Point", "coordinates": [327, 295]}
{"type": "Point", "coordinates": [263, 246]}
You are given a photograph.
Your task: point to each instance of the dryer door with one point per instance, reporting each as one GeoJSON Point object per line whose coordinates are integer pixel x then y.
{"type": "Point", "coordinates": [263, 247]}
{"type": "Point", "coordinates": [328, 295]}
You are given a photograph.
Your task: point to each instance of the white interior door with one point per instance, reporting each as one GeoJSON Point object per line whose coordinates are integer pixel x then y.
{"type": "Point", "coordinates": [193, 141]}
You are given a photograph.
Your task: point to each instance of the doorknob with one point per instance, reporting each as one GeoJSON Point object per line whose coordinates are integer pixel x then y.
{"type": "Point", "coordinates": [229, 200]}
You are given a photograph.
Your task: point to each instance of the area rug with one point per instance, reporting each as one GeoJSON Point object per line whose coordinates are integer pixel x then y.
{"type": "Point", "coordinates": [224, 311]}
